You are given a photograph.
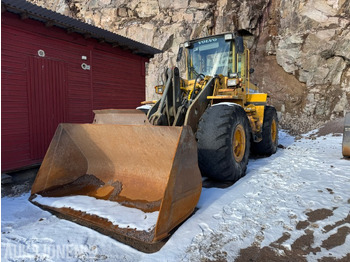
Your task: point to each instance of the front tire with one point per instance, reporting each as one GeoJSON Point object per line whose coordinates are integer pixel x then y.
{"type": "Point", "coordinates": [223, 142]}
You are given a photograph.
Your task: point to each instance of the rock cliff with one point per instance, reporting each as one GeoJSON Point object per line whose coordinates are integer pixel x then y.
{"type": "Point", "coordinates": [300, 48]}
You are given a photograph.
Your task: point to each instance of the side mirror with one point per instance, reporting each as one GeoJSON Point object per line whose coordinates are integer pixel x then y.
{"type": "Point", "coordinates": [251, 71]}
{"type": "Point", "coordinates": [179, 54]}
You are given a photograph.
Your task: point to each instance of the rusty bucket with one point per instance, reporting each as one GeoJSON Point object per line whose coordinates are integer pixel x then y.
{"type": "Point", "coordinates": [120, 117]}
{"type": "Point", "coordinates": [102, 175]}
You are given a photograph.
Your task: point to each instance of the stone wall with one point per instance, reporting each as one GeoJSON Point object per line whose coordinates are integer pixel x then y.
{"type": "Point", "coordinates": [305, 45]}
{"type": "Point", "coordinates": [300, 48]}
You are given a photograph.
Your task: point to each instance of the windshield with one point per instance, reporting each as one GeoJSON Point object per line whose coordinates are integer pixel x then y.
{"type": "Point", "coordinates": [211, 56]}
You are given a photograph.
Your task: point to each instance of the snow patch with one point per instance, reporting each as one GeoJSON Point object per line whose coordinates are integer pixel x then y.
{"type": "Point", "coordinates": [146, 107]}
{"type": "Point", "coordinates": [227, 104]}
{"type": "Point", "coordinates": [121, 216]}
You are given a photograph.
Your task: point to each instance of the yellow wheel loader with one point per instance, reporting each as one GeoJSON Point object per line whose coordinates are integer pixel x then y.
{"type": "Point", "coordinates": [136, 177]}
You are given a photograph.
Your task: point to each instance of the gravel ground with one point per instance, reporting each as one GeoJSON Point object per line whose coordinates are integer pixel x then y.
{"type": "Point", "coordinates": [21, 182]}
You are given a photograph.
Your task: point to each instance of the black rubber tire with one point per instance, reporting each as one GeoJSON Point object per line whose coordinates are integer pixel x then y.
{"type": "Point", "coordinates": [215, 133]}
{"type": "Point", "coordinates": [267, 146]}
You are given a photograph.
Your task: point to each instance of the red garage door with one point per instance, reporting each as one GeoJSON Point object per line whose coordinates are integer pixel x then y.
{"type": "Point", "coordinates": [46, 100]}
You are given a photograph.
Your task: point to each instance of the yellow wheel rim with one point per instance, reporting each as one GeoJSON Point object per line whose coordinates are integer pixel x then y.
{"type": "Point", "coordinates": [273, 131]}
{"type": "Point", "coordinates": [239, 143]}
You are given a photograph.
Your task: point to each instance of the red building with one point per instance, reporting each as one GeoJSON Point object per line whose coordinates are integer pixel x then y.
{"type": "Point", "coordinates": [57, 69]}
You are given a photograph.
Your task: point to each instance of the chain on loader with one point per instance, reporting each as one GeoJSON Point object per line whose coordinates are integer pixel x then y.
{"type": "Point", "coordinates": [210, 117]}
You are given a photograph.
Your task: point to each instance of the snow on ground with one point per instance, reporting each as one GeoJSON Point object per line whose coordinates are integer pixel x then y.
{"type": "Point", "coordinates": [132, 218]}
{"type": "Point", "coordinates": [302, 191]}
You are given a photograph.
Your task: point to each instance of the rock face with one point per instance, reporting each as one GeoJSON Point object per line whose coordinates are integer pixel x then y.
{"type": "Point", "coordinates": [300, 49]}
{"type": "Point", "coordinates": [305, 46]}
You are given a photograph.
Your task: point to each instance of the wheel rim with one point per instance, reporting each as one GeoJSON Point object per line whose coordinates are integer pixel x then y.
{"type": "Point", "coordinates": [238, 143]}
{"type": "Point", "coordinates": [273, 131]}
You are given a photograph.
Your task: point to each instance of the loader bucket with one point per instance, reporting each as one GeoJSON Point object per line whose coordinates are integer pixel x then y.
{"type": "Point", "coordinates": [346, 136]}
{"type": "Point", "coordinates": [133, 181]}
{"type": "Point", "coordinates": [120, 117]}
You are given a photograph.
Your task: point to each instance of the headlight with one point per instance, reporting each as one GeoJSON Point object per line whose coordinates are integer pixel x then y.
{"type": "Point", "coordinates": [199, 78]}
{"type": "Point", "coordinates": [228, 37]}
{"type": "Point", "coordinates": [232, 82]}
{"type": "Point", "coordinates": [159, 89]}
{"type": "Point", "coordinates": [233, 75]}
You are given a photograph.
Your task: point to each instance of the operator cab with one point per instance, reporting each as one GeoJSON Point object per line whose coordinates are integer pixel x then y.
{"type": "Point", "coordinates": [213, 55]}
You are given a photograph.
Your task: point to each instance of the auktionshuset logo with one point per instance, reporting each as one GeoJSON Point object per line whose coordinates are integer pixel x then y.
{"type": "Point", "coordinates": [47, 252]}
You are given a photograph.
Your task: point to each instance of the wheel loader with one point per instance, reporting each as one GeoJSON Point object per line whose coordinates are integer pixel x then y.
{"type": "Point", "coordinates": [136, 176]}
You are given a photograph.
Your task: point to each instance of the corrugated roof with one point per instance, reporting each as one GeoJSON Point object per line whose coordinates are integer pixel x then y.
{"type": "Point", "coordinates": [73, 25]}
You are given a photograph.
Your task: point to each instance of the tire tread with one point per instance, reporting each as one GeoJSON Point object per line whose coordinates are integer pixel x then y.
{"type": "Point", "coordinates": [214, 136]}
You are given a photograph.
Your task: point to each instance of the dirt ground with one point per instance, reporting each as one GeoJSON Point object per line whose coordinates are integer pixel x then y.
{"type": "Point", "coordinates": [332, 127]}
{"type": "Point", "coordinates": [303, 245]}
{"type": "Point", "coordinates": [21, 182]}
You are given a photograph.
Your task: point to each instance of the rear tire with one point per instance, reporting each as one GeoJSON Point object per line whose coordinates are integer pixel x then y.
{"type": "Point", "coordinates": [223, 142]}
{"type": "Point", "coordinates": [268, 145]}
